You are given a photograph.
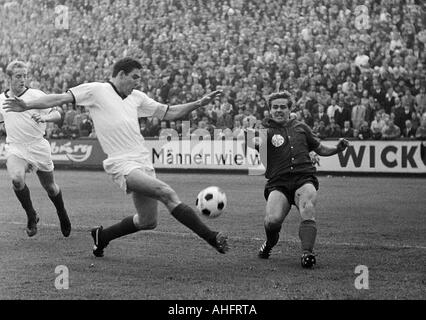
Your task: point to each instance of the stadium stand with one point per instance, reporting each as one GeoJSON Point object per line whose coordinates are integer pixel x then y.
{"type": "Point", "coordinates": [332, 55]}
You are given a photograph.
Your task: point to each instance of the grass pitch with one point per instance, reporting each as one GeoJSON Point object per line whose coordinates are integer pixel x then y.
{"type": "Point", "coordinates": [371, 221]}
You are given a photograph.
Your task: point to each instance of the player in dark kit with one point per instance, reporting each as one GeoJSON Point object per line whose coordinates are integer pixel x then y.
{"type": "Point", "coordinates": [291, 174]}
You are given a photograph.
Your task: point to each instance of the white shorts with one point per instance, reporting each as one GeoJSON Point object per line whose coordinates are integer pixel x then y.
{"type": "Point", "coordinates": [37, 154]}
{"type": "Point", "coordinates": [118, 168]}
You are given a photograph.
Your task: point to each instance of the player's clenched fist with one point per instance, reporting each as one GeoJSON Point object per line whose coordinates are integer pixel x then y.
{"type": "Point", "coordinates": [342, 144]}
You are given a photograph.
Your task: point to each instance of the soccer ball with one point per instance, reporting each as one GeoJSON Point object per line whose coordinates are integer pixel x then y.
{"type": "Point", "coordinates": [211, 202]}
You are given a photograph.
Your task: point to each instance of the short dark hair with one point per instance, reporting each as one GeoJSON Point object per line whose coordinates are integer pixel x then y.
{"type": "Point", "coordinates": [280, 95]}
{"type": "Point", "coordinates": [127, 65]}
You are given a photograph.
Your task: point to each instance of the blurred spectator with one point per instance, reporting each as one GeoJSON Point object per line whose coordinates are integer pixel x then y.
{"type": "Point", "coordinates": [323, 97]}
{"type": "Point", "coordinates": [348, 85]}
{"type": "Point", "coordinates": [333, 130]}
{"type": "Point", "coordinates": [144, 128]}
{"type": "Point", "coordinates": [179, 127]}
{"type": "Point", "coordinates": [408, 131]}
{"type": "Point", "coordinates": [332, 108]}
{"type": "Point", "coordinates": [415, 120]}
{"type": "Point", "coordinates": [250, 118]}
{"type": "Point", "coordinates": [421, 100]}
{"type": "Point", "coordinates": [154, 127]}
{"type": "Point", "coordinates": [226, 119]}
{"type": "Point", "coordinates": [163, 126]}
{"type": "Point", "coordinates": [376, 127]}
{"type": "Point", "coordinates": [345, 115]}
{"type": "Point", "coordinates": [322, 130]}
{"type": "Point", "coordinates": [364, 132]}
{"type": "Point", "coordinates": [358, 114]}
{"type": "Point", "coordinates": [390, 131]}
{"type": "Point", "coordinates": [86, 126]}
{"type": "Point", "coordinates": [370, 109]}
{"type": "Point", "coordinates": [262, 109]}
{"type": "Point", "coordinates": [237, 131]}
{"type": "Point", "coordinates": [321, 115]}
{"type": "Point", "coordinates": [209, 126]}
{"type": "Point", "coordinates": [240, 115]}
{"type": "Point", "coordinates": [421, 130]}
{"type": "Point", "coordinates": [69, 115]}
{"type": "Point", "coordinates": [378, 93]}
{"type": "Point", "coordinates": [202, 125]}
{"type": "Point", "coordinates": [347, 131]}
{"type": "Point", "coordinates": [390, 98]}
{"type": "Point", "coordinates": [307, 117]}
{"type": "Point", "coordinates": [408, 99]}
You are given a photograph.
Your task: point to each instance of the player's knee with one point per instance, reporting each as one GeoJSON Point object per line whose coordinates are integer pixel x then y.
{"type": "Point", "coordinates": [273, 221]}
{"type": "Point", "coordinates": [18, 181]}
{"type": "Point", "coordinates": [144, 225]}
{"type": "Point", "coordinates": [51, 189]}
{"type": "Point", "coordinates": [307, 210]}
{"type": "Point", "coordinates": [167, 194]}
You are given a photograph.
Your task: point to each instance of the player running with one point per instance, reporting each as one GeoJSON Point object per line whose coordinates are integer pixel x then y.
{"type": "Point", "coordinates": [291, 175]}
{"type": "Point", "coordinates": [115, 107]}
{"type": "Point", "coordinates": [27, 150]}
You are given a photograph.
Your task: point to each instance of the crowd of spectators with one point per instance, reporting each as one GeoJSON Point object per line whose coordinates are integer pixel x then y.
{"type": "Point", "coordinates": [356, 69]}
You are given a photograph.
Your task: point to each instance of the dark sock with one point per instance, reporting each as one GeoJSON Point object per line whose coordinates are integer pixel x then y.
{"type": "Point", "coordinates": [24, 198]}
{"type": "Point", "coordinates": [307, 235]}
{"type": "Point", "coordinates": [272, 234]}
{"type": "Point", "coordinates": [124, 227]}
{"type": "Point", "coordinates": [58, 202]}
{"type": "Point", "coordinates": [187, 216]}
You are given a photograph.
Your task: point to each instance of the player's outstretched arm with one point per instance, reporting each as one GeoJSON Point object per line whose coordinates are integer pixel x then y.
{"type": "Point", "coordinates": [326, 151]}
{"type": "Point", "coordinates": [180, 110]}
{"type": "Point", "coordinates": [48, 101]}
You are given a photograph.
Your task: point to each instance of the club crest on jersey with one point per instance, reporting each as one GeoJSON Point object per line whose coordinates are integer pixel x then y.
{"type": "Point", "coordinates": [277, 140]}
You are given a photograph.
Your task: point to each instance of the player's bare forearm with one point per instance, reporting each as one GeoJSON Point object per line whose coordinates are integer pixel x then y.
{"type": "Point", "coordinates": [326, 151]}
{"type": "Point", "coordinates": [181, 110]}
{"type": "Point", "coordinates": [48, 101]}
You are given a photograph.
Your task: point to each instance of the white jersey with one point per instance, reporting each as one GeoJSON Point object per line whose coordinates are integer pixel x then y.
{"type": "Point", "coordinates": [116, 119]}
{"type": "Point", "coordinates": [20, 127]}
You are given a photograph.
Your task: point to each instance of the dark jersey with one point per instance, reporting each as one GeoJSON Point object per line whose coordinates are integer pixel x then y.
{"type": "Point", "coordinates": [288, 148]}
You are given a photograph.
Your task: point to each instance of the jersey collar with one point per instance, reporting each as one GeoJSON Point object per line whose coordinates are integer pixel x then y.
{"type": "Point", "coordinates": [269, 122]}
{"type": "Point", "coordinates": [115, 89]}
{"type": "Point", "coordinates": [22, 93]}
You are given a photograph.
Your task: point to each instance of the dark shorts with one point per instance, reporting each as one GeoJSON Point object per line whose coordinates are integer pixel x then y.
{"type": "Point", "coordinates": [289, 184]}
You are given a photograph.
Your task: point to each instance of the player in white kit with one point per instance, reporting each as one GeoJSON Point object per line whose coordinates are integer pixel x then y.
{"type": "Point", "coordinates": [115, 107]}
{"type": "Point", "coordinates": [27, 150]}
